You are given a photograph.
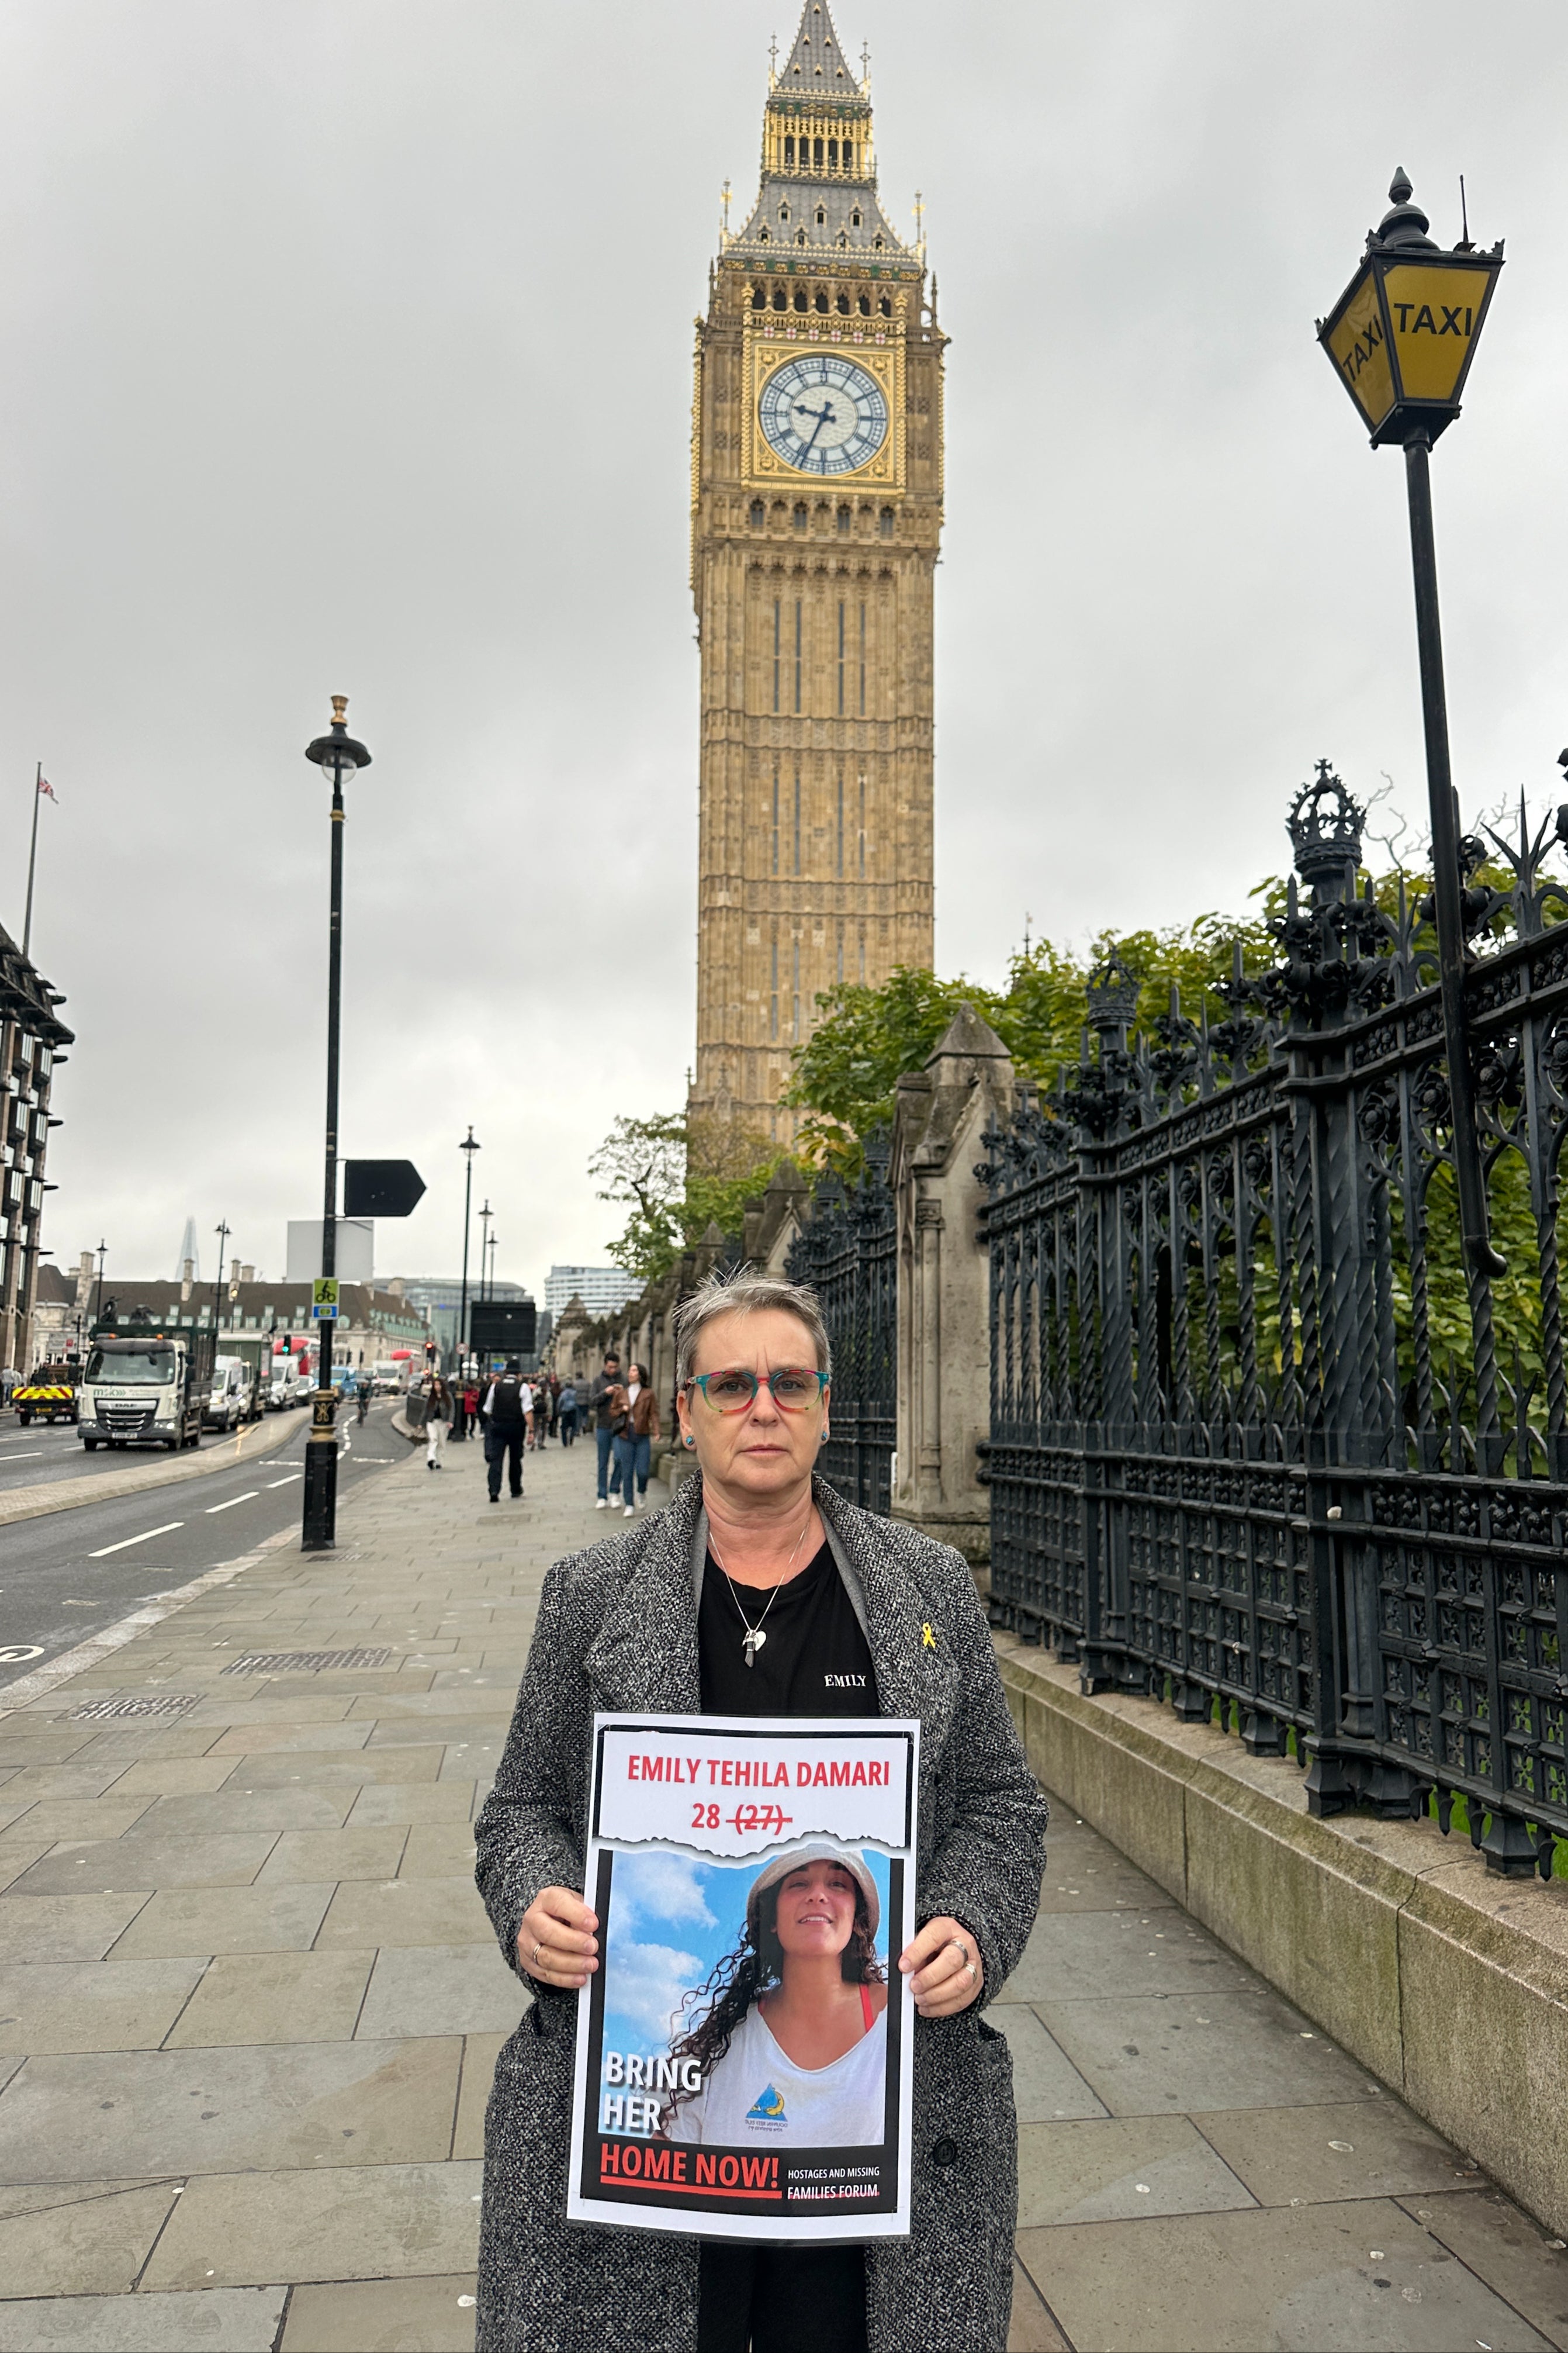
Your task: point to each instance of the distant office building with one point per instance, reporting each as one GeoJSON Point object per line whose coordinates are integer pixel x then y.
{"type": "Point", "coordinates": [601, 1289]}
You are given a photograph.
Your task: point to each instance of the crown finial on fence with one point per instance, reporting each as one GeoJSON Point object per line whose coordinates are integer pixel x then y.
{"type": "Point", "coordinates": [1325, 824]}
{"type": "Point", "coordinates": [1113, 994]}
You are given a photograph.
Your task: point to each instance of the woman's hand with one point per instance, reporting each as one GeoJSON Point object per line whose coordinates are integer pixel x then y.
{"type": "Point", "coordinates": [944, 1967]}
{"type": "Point", "coordinates": [556, 1944]}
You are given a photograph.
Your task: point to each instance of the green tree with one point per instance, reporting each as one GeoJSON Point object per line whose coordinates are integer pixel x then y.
{"type": "Point", "coordinates": [675, 1175]}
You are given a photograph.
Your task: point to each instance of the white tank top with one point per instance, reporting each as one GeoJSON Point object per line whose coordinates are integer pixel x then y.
{"type": "Point", "coordinates": [756, 2097]}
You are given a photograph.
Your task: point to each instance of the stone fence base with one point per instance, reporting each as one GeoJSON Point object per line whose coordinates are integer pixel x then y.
{"type": "Point", "coordinates": [1448, 1981]}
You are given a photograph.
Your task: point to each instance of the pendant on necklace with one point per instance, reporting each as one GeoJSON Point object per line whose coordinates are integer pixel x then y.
{"type": "Point", "coordinates": [752, 1642]}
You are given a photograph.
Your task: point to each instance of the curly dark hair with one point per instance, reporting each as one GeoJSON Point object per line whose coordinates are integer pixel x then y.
{"type": "Point", "coordinates": [744, 1975]}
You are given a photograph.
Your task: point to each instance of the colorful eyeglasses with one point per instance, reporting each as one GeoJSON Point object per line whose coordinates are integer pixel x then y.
{"type": "Point", "coordinates": [793, 1388]}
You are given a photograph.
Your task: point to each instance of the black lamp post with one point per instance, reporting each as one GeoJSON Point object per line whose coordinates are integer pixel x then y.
{"type": "Point", "coordinates": [1402, 337]}
{"type": "Point", "coordinates": [223, 1232]}
{"type": "Point", "coordinates": [98, 1294]}
{"type": "Point", "coordinates": [467, 1148]}
{"type": "Point", "coordinates": [337, 755]}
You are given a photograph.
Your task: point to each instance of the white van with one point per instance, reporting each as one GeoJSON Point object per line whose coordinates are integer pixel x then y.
{"type": "Point", "coordinates": [286, 1389]}
{"type": "Point", "coordinates": [225, 1408]}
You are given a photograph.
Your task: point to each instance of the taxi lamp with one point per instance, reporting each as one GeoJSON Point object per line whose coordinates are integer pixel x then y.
{"type": "Point", "coordinates": [1401, 337]}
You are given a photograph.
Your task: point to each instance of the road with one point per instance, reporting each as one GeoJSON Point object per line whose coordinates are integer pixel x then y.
{"type": "Point", "coordinates": [71, 1573]}
{"type": "Point", "coordinates": [36, 1457]}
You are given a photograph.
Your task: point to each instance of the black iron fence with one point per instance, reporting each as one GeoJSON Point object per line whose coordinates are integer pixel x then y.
{"type": "Point", "coordinates": [847, 1254]}
{"type": "Point", "coordinates": [1259, 1433]}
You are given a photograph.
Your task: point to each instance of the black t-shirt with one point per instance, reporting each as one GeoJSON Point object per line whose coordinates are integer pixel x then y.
{"type": "Point", "coordinates": [814, 1661]}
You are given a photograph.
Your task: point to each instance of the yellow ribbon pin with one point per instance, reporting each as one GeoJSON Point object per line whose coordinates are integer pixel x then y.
{"type": "Point", "coordinates": [928, 1639]}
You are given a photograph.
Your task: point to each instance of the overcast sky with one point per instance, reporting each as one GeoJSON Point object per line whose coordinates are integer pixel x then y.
{"type": "Point", "coordinates": [347, 348]}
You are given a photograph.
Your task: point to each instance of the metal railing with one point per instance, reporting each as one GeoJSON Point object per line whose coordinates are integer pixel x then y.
{"type": "Point", "coordinates": [1259, 1433]}
{"type": "Point", "coordinates": [847, 1254]}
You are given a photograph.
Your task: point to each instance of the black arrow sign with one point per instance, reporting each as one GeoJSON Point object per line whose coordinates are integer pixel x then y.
{"type": "Point", "coordinates": [381, 1188]}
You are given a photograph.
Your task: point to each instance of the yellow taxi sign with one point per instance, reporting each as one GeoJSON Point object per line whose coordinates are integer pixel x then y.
{"type": "Point", "coordinates": [325, 1298]}
{"type": "Point", "coordinates": [1434, 315]}
{"type": "Point", "coordinates": [1355, 342]}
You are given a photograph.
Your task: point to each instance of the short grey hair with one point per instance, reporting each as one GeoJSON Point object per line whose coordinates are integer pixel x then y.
{"type": "Point", "coordinates": [745, 1294]}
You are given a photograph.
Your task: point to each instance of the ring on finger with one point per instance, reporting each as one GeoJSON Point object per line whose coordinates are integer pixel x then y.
{"type": "Point", "coordinates": [533, 1959]}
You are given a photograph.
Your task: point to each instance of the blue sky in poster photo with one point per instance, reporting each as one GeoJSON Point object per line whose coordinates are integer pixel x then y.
{"type": "Point", "coordinates": [671, 1918]}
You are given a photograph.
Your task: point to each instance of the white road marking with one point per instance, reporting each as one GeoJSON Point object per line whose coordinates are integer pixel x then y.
{"type": "Point", "coordinates": [249, 1497]}
{"type": "Point", "coordinates": [286, 1483]}
{"type": "Point", "coordinates": [166, 1530]}
{"type": "Point", "coordinates": [35, 1454]}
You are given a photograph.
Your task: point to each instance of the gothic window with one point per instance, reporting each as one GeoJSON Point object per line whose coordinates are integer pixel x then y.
{"type": "Point", "coordinates": [862, 714]}
{"type": "Point", "coordinates": [816, 148]}
{"type": "Point", "coordinates": [759, 514]}
{"type": "Point", "coordinates": [801, 297]}
{"type": "Point", "coordinates": [789, 154]}
{"type": "Point", "coordinates": [833, 154]}
{"type": "Point", "coordinates": [777, 605]}
{"type": "Point", "coordinates": [763, 234]}
{"type": "Point", "coordinates": [846, 156]}
{"type": "Point", "coordinates": [773, 1001]}
{"type": "Point", "coordinates": [877, 244]}
{"type": "Point", "coordinates": [800, 517]}
{"type": "Point", "coordinates": [840, 865]}
{"type": "Point", "coordinates": [843, 299]}
{"type": "Point", "coordinates": [855, 217]}
{"type": "Point", "coordinates": [794, 1028]}
{"type": "Point", "coordinates": [844, 520]}
{"type": "Point", "coordinates": [885, 522]}
{"type": "Point", "coordinates": [842, 305]}
{"type": "Point", "coordinates": [885, 306]}
{"type": "Point", "coordinates": [781, 298]}
{"type": "Point", "coordinates": [822, 216]}
{"type": "Point", "coordinates": [759, 298]}
{"type": "Point", "coordinates": [775, 856]}
{"type": "Point", "coordinates": [864, 305]}
{"type": "Point", "coordinates": [821, 298]}
{"type": "Point", "coordinates": [800, 239]}
{"type": "Point", "coordinates": [797, 810]}
{"type": "Point", "coordinates": [784, 212]}
{"type": "Point", "coordinates": [841, 927]}
{"type": "Point", "coordinates": [797, 668]}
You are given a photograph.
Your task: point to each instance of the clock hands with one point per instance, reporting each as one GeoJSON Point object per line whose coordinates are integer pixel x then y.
{"type": "Point", "coordinates": [822, 416]}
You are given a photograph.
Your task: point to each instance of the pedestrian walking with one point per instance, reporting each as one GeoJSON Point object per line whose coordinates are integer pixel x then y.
{"type": "Point", "coordinates": [600, 1391]}
{"type": "Point", "coordinates": [438, 1419]}
{"type": "Point", "coordinates": [635, 1410]}
{"type": "Point", "coordinates": [865, 1614]}
{"type": "Point", "coordinates": [507, 1405]}
{"type": "Point", "coordinates": [566, 1412]}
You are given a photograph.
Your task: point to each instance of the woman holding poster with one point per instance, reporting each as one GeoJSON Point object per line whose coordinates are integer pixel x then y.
{"type": "Point", "coordinates": [761, 1593]}
{"type": "Point", "coordinates": [792, 2046]}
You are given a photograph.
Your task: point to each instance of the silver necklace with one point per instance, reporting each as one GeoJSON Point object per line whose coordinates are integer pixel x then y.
{"type": "Point", "coordinates": [754, 1638]}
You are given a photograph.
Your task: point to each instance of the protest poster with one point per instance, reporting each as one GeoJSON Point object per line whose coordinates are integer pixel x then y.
{"type": "Point", "coordinates": [748, 1874]}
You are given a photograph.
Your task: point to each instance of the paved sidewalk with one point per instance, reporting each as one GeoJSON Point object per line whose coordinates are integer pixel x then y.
{"type": "Point", "coordinates": [249, 2006]}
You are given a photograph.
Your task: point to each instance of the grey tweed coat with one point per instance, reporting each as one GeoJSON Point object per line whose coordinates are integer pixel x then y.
{"type": "Point", "coordinates": [618, 1630]}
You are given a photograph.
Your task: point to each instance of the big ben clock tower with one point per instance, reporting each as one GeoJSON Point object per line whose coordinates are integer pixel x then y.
{"type": "Point", "coordinates": [816, 516]}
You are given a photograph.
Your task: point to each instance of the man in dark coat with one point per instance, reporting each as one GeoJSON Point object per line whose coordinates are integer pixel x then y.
{"type": "Point", "coordinates": [506, 1425]}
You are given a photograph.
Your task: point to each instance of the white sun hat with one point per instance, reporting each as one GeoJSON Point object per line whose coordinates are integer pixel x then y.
{"type": "Point", "coordinates": [816, 1850]}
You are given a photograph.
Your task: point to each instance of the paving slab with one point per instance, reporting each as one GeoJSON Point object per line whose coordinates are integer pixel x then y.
{"type": "Point", "coordinates": [173, 1776]}
{"type": "Point", "coordinates": [438, 1851]}
{"type": "Point", "coordinates": [119, 2005]}
{"type": "Point", "coordinates": [1230, 2051]}
{"type": "Point", "coordinates": [144, 1860]}
{"type": "Point", "coordinates": [1357, 2278]}
{"type": "Point", "coordinates": [1373, 2148]}
{"type": "Point", "coordinates": [1506, 2248]}
{"type": "Point", "coordinates": [65, 1927]}
{"type": "Point", "coordinates": [1113, 2169]}
{"type": "Point", "coordinates": [442, 1990]}
{"type": "Point", "coordinates": [231, 2320]}
{"type": "Point", "coordinates": [313, 2106]}
{"type": "Point", "coordinates": [412, 1801]}
{"type": "Point", "coordinates": [405, 1912]}
{"type": "Point", "coordinates": [1046, 2084]}
{"type": "Point", "coordinates": [418, 2316]}
{"type": "Point", "coordinates": [224, 1919]}
{"type": "Point", "coordinates": [345, 2222]}
{"type": "Point", "coordinates": [294, 1806]}
{"type": "Point", "coordinates": [1080, 1955]}
{"type": "Point", "coordinates": [367, 1853]}
{"type": "Point", "coordinates": [278, 1997]}
{"type": "Point", "coordinates": [81, 2238]}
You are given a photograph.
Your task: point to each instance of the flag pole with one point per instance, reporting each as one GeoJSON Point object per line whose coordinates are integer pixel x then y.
{"type": "Point", "coordinates": [32, 861]}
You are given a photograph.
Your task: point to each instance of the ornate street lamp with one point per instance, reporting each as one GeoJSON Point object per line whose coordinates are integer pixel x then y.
{"type": "Point", "coordinates": [337, 755]}
{"type": "Point", "coordinates": [1402, 337]}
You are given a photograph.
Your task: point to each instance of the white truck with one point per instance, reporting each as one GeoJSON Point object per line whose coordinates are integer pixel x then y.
{"type": "Point", "coordinates": [286, 1387]}
{"type": "Point", "coordinates": [145, 1387]}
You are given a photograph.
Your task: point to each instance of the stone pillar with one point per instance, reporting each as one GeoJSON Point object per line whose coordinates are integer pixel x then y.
{"type": "Point", "coordinates": [945, 1311]}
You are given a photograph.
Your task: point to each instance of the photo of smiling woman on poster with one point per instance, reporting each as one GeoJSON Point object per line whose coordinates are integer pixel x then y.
{"type": "Point", "coordinates": [793, 2045]}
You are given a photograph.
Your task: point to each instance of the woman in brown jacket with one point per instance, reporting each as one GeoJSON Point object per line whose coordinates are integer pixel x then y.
{"type": "Point", "coordinates": [634, 1418]}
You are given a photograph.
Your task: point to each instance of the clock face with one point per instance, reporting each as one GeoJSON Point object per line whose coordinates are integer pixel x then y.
{"type": "Point", "coordinates": [823, 415]}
